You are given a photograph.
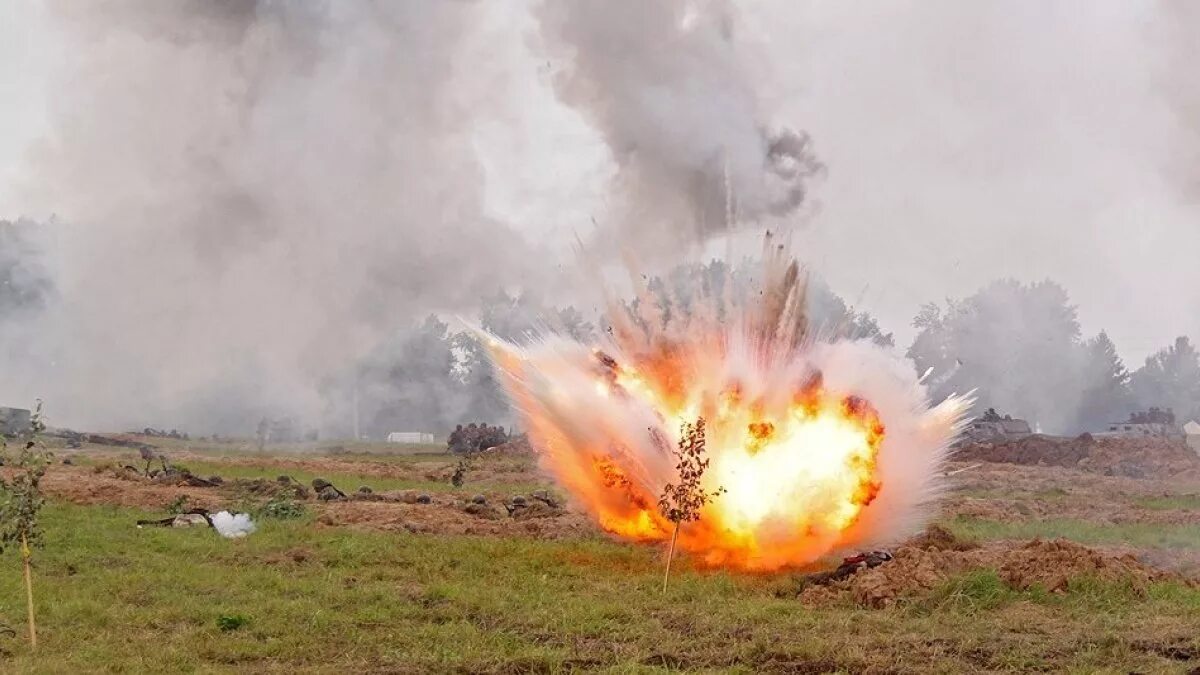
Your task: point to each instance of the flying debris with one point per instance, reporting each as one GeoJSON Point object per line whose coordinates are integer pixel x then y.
{"type": "Point", "coordinates": [819, 446]}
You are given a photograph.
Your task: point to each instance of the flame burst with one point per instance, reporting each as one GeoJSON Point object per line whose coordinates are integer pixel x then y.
{"type": "Point", "coordinates": [820, 445]}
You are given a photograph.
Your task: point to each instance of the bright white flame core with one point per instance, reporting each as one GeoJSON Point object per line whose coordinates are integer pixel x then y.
{"type": "Point", "coordinates": [816, 446]}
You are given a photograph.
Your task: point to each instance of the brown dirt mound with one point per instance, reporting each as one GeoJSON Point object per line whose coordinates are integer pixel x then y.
{"type": "Point", "coordinates": [1053, 565]}
{"type": "Point", "coordinates": [262, 487]}
{"type": "Point", "coordinates": [446, 515]}
{"type": "Point", "coordinates": [82, 486]}
{"type": "Point", "coordinates": [938, 538]}
{"type": "Point", "coordinates": [1129, 457]}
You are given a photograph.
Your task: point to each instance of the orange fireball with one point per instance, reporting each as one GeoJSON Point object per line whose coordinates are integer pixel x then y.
{"type": "Point", "coordinates": [814, 447]}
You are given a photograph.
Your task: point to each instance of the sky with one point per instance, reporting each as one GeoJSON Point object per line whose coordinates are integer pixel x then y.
{"type": "Point", "coordinates": [962, 141]}
{"type": "Point", "coordinates": [23, 54]}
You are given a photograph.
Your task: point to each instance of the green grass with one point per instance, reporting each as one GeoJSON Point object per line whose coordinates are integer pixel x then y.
{"type": "Point", "coordinates": [1170, 502]}
{"type": "Point", "coordinates": [1151, 535]}
{"type": "Point", "coordinates": [350, 481]}
{"type": "Point", "coordinates": [476, 481]}
{"type": "Point", "coordinates": [242, 447]}
{"type": "Point", "coordinates": [1050, 495]}
{"type": "Point", "coordinates": [293, 597]}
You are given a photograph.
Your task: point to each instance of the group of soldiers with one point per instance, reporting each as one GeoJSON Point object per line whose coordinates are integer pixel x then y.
{"type": "Point", "coordinates": [475, 437]}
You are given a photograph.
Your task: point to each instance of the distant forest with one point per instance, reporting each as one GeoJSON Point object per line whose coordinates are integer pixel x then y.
{"type": "Point", "coordinates": [1018, 345]}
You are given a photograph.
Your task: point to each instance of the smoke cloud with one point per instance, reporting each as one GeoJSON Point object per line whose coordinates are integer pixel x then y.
{"type": "Point", "coordinates": [232, 525]}
{"type": "Point", "coordinates": [673, 95]}
{"type": "Point", "coordinates": [252, 194]}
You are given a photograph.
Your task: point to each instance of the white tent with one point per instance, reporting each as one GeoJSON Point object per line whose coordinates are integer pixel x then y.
{"type": "Point", "coordinates": [1192, 429]}
{"type": "Point", "coordinates": [409, 437]}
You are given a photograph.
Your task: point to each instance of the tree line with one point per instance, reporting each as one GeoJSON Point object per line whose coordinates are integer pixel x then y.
{"type": "Point", "coordinates": [1021, 348]}
{"type": "Point", "coordinates": [430, 377]}
{"type": "Point", "coordinates": [1018, 345]}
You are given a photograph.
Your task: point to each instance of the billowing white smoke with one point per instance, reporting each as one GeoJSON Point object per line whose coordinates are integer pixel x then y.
{"type": "Point", "coordinates": [251, 195]}
{"type": "Point", "coordinates": [232, 525]}
{"type": "Point", "coordinates": [674, 96]}
{"type": "Point", "coordinates": [816, 446]}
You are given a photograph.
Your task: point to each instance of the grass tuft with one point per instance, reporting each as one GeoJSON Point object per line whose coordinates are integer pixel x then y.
{"type": "Point", "coordinates": [325, 599]}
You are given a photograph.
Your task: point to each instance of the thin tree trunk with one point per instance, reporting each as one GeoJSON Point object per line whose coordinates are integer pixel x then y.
{"type": "Point", "coordinates": [25, 555]}
{"type": "Point", "coordinates": [670, 555]}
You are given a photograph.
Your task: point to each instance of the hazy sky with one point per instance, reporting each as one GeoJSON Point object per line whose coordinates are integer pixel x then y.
{"type": "Point", "coordinates": [964, 141]}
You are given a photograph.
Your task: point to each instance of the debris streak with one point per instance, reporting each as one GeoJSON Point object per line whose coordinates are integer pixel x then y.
{"type": "Point", "coordinates": [817, 445]}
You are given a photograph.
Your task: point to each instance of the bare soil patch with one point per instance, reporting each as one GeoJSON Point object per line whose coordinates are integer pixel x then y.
{"type": "Point", "coordinates": [1147, 457]}
{"type": "Point", "coordinates": [985, 490]}
{"type": "Point", "coordinates": [923, 565]}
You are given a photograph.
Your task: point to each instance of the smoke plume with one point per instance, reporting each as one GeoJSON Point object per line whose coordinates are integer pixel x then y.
{"type": "Point", "coordinates": [252, 194]}
{"type": "Point", "coordinates": [232, 525]}
{"type": "Point", "coordinates": [673, 95]}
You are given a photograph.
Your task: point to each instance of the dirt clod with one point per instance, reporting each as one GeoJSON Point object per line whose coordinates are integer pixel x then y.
{"type": "Point", "coordinates": [1052, 565]}
{"type": "Point", "coordinates": [535, 509]}
{"type": "Point", "coordinates": [482, 511]}
{"type": "Point", "coordinates": [938, 538]}
{"type": "Point", "coordinates": [1148, 457]}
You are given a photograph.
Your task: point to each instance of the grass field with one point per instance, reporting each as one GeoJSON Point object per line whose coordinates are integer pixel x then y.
{"type": "Point", "coordinates": [1142, 535]}
{"type": "Point", "coordinates": [350, 481]}
{"type": "Point", "coordinates": [294, 597]}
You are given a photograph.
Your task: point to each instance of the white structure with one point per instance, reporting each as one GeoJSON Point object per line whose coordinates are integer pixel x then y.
{"type": "Point", "coordinates": [1192, 429]}
{"type": "Point", "coordinates": [409, 437]}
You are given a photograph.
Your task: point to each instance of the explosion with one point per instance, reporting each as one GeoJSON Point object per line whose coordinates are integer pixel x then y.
{"type": "Point", "coordinates": [817, 444]}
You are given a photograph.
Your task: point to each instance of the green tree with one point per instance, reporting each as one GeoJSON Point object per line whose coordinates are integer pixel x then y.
{"type": "Point", "coordinates": [682, 502]}
{"type": "Point", "coordinates": [410, 382]}
{"type": "Point", "coordinates": [20, 503]}
{"type": "Point", "coordinates": [1106, 393]}
{"type": "Point", "coordinates": [725, 287]}
{"type": "Point", "coordinates": [1017, 345]}
{"type": "Point", "coordinates": [1170, 379]}
{"type": "Point", "coordinates": [829, 312]}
